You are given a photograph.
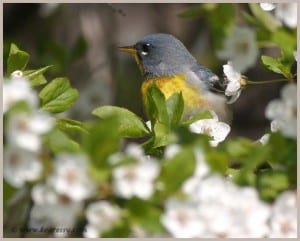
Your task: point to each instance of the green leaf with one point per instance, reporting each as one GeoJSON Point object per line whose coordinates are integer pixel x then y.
{"type": "Point", "coordinates": [221, 21]}
{"type": "Point", "coordinates": [176, 170]}
{"type": "Point", "coordinates": [198, 116]}
{"type": "Point", "coordinates": [36, 76]}
{"type": "Point", "coordinates": [129, 124]}
{"type": "Point", "coordinates": [17, 59]}
{"type": "Point", "coordinates": [270, 184]}
{"type": "Point", "coordinates": [217, 161]}
{"type": "Point", "coordinates": [175, 106]}
{"type": "Point", "coordinates": [162, 135]}
{"type": "Point", "coordinates": [156, 106]}
{"type": "Point", "coordinates": [266, 19]}
{"type": "Point", "coordinates": [120, 230]}
{"type": "Point", "coordinates": [102, 141]}
{"type": "Point", "coordinates": [276, 66]}
{"type": "Point", "coordinates": [58, 95]}
{"type": "Point", "coordinates": [58, 142]}
{"type": "Point", "coordinates": [283, 155]}
{"type": "Point", "coordinates": [66, 124]}
{"type": "Point", "coordinates": [145, 214]}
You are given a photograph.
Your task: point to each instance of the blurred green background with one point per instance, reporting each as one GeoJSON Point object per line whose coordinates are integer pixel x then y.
{"type": "Point", "coordinates": [80, 40]}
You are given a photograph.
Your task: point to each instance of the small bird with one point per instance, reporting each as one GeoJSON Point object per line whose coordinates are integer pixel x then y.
{"type": "Point", "coordinates": [164, 61]}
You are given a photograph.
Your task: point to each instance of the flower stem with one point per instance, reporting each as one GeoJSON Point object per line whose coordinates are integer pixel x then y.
{"type": "Point", "coordinates": [265, 81]}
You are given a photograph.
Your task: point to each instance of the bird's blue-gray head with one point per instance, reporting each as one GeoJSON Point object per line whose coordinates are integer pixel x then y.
{"type": "Point", "coordinates": [161, 54]}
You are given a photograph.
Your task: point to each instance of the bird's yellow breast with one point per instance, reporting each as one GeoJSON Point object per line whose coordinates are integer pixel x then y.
{"type": "Point", "coordinates": [168, 85]}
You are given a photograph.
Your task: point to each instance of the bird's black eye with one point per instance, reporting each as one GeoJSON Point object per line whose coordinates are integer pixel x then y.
{"type": "Point", "coordinates": [145, 49]}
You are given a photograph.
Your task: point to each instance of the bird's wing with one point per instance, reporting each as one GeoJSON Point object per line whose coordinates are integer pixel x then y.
{"type": "Point", "coordinates": [207, 79]}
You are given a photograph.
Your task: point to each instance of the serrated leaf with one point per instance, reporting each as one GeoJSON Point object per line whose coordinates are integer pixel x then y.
{"type": "Point", "coordinates": [175, 106]}
{"type": "Point", "coordinates": [66, 124]}
{"type": "Point", "coordinates": [17, 59]}
{"type": "Point", "coordinates": [129, 124]}
{"type": "Point", "coordinates": [36, 77]}
{"type": "Point", "coordinates": [275, 65]}
{"type": "Point", "coordinates": [58, 95]}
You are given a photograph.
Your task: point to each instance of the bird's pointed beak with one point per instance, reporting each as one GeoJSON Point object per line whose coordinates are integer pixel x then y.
{"type": "Point", "coordinates": [128, 49]}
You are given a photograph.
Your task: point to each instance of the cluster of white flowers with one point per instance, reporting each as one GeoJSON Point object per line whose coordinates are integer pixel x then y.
{"type": "Point", "coordinates": [217, 208]}
{"type": "Point", "coordinates": [283, 112]}
{"type": "Point", "coordinates": [213, 127]}
{"type": "Point", "coordinates": [136, 179]}
{"type": "Point", "coordinates": [51, 210]}
{"type": "Point", "coordinates": [285, 12]}
{"type": "Point", "coordinates": [101, 216]}
{"type": "Point", "coordinates": [240, 48]}
{"type": "Point", "coordinates": [58, 202]}
{"type": "Point", "coordinates": [24, 131]}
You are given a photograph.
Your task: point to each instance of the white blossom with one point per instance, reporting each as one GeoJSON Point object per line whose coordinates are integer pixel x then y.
{"type": "Point", "coordinates": [101, 215]}
{"type": "Point", "coordinates": [25, 129]}
{"type": "Point", "coordinates": [240, 48]}
{"type": "Point", "coordinates": [287, 13]}
{"type": "Point", "coordinates": [283, 112]}
{"type": "Point", "coordinates": [216, 129]}
{"type": "Point", "coordinates": [51, 210]}
{"type": "Point", "coordinates": [284, 216]}
{"type": "Point", "coordinates": [20, 165]}
{"type": "Point", "coordinates": [234, 85]}
{"type": "Point", "coordinates": [181, 219]}
{"type": "Point", "coordinates": [135, 179]}
{"type": "Point", "coordinates": [267, 6]}
{"type": "Point", "coordinates": [171, 150]}
{"type": "Point", "coordinates": [18, 89]}
{"type": "Point", "coordinates": [201, 170]}
{"type": "Point", "coordinates": [230, 211]}
{"type": "Point", "coordinates": [71, 177]}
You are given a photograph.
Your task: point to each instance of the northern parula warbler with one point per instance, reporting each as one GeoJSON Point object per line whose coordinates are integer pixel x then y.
{"type": "Point", "coordinates": [164, 61]}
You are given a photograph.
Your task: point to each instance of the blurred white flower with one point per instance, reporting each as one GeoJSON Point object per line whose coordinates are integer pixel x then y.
{"type": "Point", "coordinates": [51, 210]}
{"type": "Point", "coordinates": [136, 151]}
{"type": "Point", "coordinates": [216, 129]}
{"type": "Point", "coordinates": [135, 179]}
{"type": "Point", "coordinates": [234, 82]}
{"type": "Point", "coordinates": [284, 216]}
{"type": "Point", "coordinates": [17, 74]}
{"type": "Point", "coordinates": [101, 215]}
{"type": "Point", "coordinates": [223, 207]}
{"type": "Point", "coordinates": [171, 150]}
{"type": "Point", "coordinates": [285, 12]}
{"type": "Point", "coordinates": [20, 165]}
{"type": "Point", "coordinates": [24, 129]}
{"type": "Point", "coordinates": [201, 170]}
{"type": "Point", "coordinates": [71, 177]}
{"type": "Point", "coordinates": [182, 220]}
{"type": "Point", "coordinates": [267, 6]}
{"type": "Point", "coordinates": [240, 48]}
{"type": "Point", "coordinates": [17, 89]}
{"type": "Point", "coordinates": [283, 112]}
